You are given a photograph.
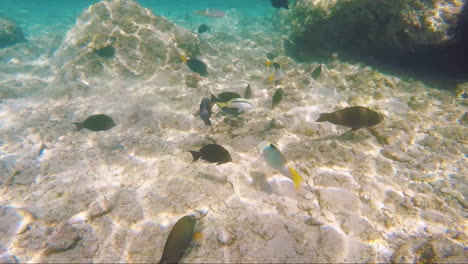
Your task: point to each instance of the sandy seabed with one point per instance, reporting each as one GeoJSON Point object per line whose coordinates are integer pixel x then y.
{"type": "Point", "coordinates": [396, 192]}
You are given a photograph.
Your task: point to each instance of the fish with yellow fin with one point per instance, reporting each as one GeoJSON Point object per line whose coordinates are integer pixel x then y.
{"type": "Point", "coordinates": [195, 65]}
{"type": "Point", "coordinates": [275, 159]}
{"type": "Point", "coordinates": [277, 75]}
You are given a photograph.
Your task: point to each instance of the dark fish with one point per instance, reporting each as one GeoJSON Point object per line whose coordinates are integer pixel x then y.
{"type": "Point", "coordinates": [205, 111]}
{"type": "Point", "coordinates": [106, 52]}
{"type": "Point", "coordinates": [355, 117]}
{"type": "Point", "coordinates": [271, 55]}
{"type": "Point", "coordinates": [96, 123]}
{"type": "Point", "coordinates": [248, 92]}
{"type": "Point", "coordinates": [277, 97]}
{"type": "Point", "coordinates": [224, 97]}
{"type": "Point", "coordinates": [197, 66]}
{"type": "Point", "coordinates": [203, 28]}
{"type": "Point", "coordinates": [316, 73]}
{"type": "Point", "coordinates": [280, 4]}
{"type": "Point", "coordinates": [178, 240]}
{"type": "Point", "coordinates": [276, 65]}
{"type": "Point", "coordinates": [212, 153]}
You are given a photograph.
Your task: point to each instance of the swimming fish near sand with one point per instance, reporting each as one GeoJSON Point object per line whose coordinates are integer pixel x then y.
{"type": "Point", "coordinates": [179, 239]}
{"type": "Point", "coordinates": [277, 97]}
{"type": "Point", "coordinates": [213, 153]}
{"type": "Point", "coordinates": [96, 123]}
{"type": "Point", "coordinates": [280, 4]}
{"type": "Point", "coordinates": [355, 117]}
{"type": "Point", "coordinates": [275, 159]}
{"type": "Point", "coordinates": [317, 71]}
{"type": "Point", "coordinates": [224, 97]}
{"type": "Point", "coordinates": [105, 52]}
{"type": "Point", "coordinates": [205, 111]}
{"type": "Point", "coordinates": [248, 92]}
{"type": "Point", "coordinates": [238, 104]}
{"type": "Point", "coordinates": [196, 65]}
{"type": "Point", "coordinates": [277, 75]}
{"type": "Point", "coordinates": [203, 28]}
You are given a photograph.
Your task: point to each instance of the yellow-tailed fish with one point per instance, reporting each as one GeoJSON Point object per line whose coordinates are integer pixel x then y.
{"type": "Point", "coordinates": [268, 63]}
{"type": "Point", "coordinates": [179, 240]}
{"type": "Point", "coordinates": [239, 104]}
{"type": "Point", "coordinates": [273, 157]}
{"type": "Point", "coordinates": [183, 58]}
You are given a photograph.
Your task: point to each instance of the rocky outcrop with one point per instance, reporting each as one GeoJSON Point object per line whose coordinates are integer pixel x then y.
{"type": "Point", "coordinates": [370, 26]}
{"type": "Point", "coordinates": [10, 33]}
{"type": "Point", "coordinates": [122, 39]}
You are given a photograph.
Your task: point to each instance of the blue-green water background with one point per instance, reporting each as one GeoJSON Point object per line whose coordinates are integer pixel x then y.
{"type": "Point", "coordinates": [37, 18]}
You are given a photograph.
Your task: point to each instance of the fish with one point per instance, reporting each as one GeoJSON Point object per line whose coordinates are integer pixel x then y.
{"type": "Point", "coordinates": [277, 75]}
{"type": "Point", "coordinates": [355, 117]}
{"type": "Point", "coordinates": [212, 153]}
{"type": "Point", "coordinates": [275, 159]}
{"type": "Point", "coordinates": [271, 56]}
{"type": "Point", "coordinates": [277, 97]}
{"type": "Point", "coordinates": [210, 12]}
{"type": "Point", "coordinates": [105, 52]}
{"type": "Point", "coordinates": [280, 4]}
{"type": "Point", "coordinates": [268, 63]}
{"type": "Point", "coordinates": [96, 123]}
{"type": "Point", "coordinates": [196, 65]}
{"type": "Point", "coordinates": [205, 111]}
{"type": "Point", "coordinates": [240, 105]}
{"type": "Point", "coordinates": [203, 28]}
{"type": "Point", "coordinates": [248, 92]}
{"type": "Point", "coordinates": [317, 71]}
{"type": "Point", "coordinates": [179, 239]}
{"type": "Point", "coordinates": [224, 97]}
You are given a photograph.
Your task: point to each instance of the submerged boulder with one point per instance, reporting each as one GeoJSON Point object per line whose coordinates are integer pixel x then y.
{"type": "Point", "coordinates": [371, 27]}
{"type": "Point", "coordinates": [10, 33]}
{"type": "Point", "coordinates": [121, 39]}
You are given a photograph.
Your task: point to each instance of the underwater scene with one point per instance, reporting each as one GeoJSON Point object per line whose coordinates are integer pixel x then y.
{"type": "Point", "coordinates": [247, 131]}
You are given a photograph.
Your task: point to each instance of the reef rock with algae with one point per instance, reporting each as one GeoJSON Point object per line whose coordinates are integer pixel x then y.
{"type": "Point", "coordinates": [141, 44]}
{"type": "Point", "coordinates": [372, 27]}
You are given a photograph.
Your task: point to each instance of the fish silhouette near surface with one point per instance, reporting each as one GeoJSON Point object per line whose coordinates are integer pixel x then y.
{"type": "Point", "coordinates": [96, 123]}
{"type": "Point", "coordinates": [205, 111]}
{"type": "Point", "coordinates": [179, 240]}
{"type": "Point", "coordinates": [275, 159]}
{"type": "Point", "coordinates": [280, 4]}
{"type": "Point", "coordinates": [355, 117]}
{"type": "Point", "coordinates": [196, 65]}
{"type": "Point", "coordinates": [212, 153]}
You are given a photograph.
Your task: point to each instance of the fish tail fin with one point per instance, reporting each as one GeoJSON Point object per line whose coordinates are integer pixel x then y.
{"type": "Point", "coordinates": [296, 178]}
{"type": "Point", "coordinates": [183, 58]}
{"type": "Point", "coordinates": [214, 99]}
{"type": "Point", "coordinates": [196, 155]}
{"type": "Point", "coordinates": [221, 104]}
{"type": "Point", "coordinates": [268, 63]}
{"type": "Point", "coordinates": [271, 78]}
{"type": "Point", "coordinates": [323, 117]}
{"type": "Point", "coordinates": [79, 126]}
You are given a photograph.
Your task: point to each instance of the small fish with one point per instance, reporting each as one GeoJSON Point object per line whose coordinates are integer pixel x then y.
{"type": "Point", "coordinates": [210, 12]}
{"type": "Point", "coordinates": [241, 105]}
{"type": "Point", "coordinates": [275, 159]}
{"type": "Point", "coordinates": [248, 92]}
{"type": "Point", "coordinates": [224, 97]}
{"type": "Point", "coordinates": [268, 63]}
{"type": "Point", "coordinates": [317, 71]}
{"type": "Point", "coordinates": [105, 52]}
{"type": "Point", "coordinates": [280, 4]}
{"type": "Point", "coordinates": [203, 28]}
{"type": "Point", "coordinates": [205, 111]}
{"type": "Point", "coordinates": [355, 117]}
{"type": "Point", "coordinates": [196, 65]}
{"type": "Point", "coordinates": [277, 75]}
{"type": "Point", "coordinates": [179, 240]}
{"type": "Point", "coordinates": [96, 123]}
{"type": "Point", "coordinates": [213, 153]}
{"type": "Point", "coordinates": [277, 97]}
{"type": "Point", "coordinates": [271, 56]}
